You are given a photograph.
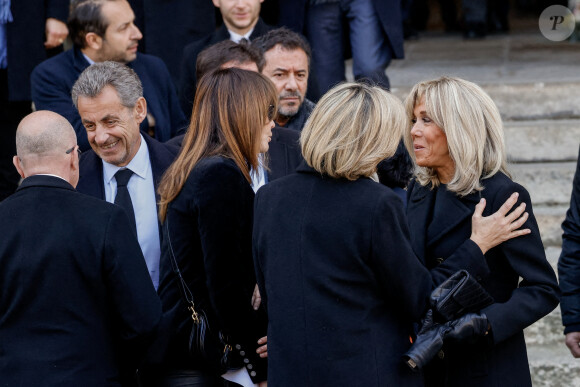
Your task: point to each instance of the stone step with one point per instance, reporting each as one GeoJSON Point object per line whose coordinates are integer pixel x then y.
{"type": "Point", "coordinates": [549, 184]}
{"type": "Point", "coordinates": [553, 366]}
{"type": "Point", "coordinates": [542, 140]}
{"type": "Point", "coordinates": [529, 101]}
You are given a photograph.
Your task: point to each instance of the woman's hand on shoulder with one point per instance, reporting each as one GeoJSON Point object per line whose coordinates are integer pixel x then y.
{"type": "Point", "coordinates": [490, 231]}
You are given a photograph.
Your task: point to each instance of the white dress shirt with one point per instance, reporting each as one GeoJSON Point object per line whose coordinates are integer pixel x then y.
{"type": "Point", "coordinates": [142, 191]}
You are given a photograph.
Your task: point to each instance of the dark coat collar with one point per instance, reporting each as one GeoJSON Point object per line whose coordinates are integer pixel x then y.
{"type": "Point", "coordinates": [452, 210]}
{"type": "Point", "coordinates": [45, 181]}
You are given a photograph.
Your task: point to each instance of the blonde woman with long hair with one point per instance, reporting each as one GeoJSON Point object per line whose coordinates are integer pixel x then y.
{"type": "Point", "coordinates": [456, 140]}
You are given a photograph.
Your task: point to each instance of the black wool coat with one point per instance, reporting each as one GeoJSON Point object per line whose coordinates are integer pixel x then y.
{"type": "Point", "coordinates": [76, 299]}
{"type": "Point", "coordinates": [500, 358]}
{"type": "Point", "coordinates": [209, 224]}
{"type": "Point", "coordinates": [340, 281]}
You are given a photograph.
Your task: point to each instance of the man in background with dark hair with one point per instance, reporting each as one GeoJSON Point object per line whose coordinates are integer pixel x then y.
{"type": "Point", "coordinates": [103, 30]}
{"type": "Point", "coordinates": [287, 55]}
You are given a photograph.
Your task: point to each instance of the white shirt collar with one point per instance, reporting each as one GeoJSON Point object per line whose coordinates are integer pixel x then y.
{"type": "Point", "coordinates": [236, 37]}
{"type": "Point", "coordinates": [138, 164]}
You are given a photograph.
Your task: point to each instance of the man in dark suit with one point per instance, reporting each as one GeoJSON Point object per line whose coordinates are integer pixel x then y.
{"type": "Point", "coordinates": [241, 20]}
{"type": "Point", "coordinates": [69, 307]}
{"type": "Point", "coordinates": [110, 102]}
{"type": "Point", "coordinates": [103, 30]}
{"type": "Point", "coordinates": [29, 31]}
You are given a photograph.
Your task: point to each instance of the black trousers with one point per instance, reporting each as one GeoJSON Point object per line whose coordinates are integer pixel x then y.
{"type": "Point", "coordinates": [11, 112]}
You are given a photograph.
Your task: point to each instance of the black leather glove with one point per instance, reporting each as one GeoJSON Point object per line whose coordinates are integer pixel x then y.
{"type": "Point", "coordinates": [432, 335]}
{"type": "Point", "coordinates": [469, 326]}
{"type": "Point", "coordinates": [428, 342]}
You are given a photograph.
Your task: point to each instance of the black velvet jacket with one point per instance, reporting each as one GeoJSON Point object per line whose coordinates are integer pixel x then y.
{"type": "Point", "coordinates": [210, 225]}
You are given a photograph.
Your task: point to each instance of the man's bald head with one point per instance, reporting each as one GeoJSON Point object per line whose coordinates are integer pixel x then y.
{"type": "Point", "coordinates": [42, 139]}
{"type": "Point", "coordinates": [43, 133]}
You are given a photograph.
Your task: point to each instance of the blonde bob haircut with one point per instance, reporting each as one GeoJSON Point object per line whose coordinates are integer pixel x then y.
{"type": "Point", "coordinates": [472, 125]}
{"type": "Point", "coordinates": [353, 127]}
{"type": "Point", "coordinates": [230, 109]}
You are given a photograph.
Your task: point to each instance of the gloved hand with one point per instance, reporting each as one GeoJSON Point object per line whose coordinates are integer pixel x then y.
{"type": "Point", "coordinates": [467, 327]}
{"type": "Point", "coordinates": [432, 335]}
{"type": "Point", "coordinates": [428, 342]}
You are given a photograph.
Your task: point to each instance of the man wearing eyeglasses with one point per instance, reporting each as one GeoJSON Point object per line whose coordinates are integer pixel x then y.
{"type": "Point", "coordinates": [68, 308]}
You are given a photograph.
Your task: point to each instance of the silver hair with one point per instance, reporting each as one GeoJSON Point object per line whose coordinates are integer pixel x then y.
{"type": "Point", "coordinates": [96, 77]}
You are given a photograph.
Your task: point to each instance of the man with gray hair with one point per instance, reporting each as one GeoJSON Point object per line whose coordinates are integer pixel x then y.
{"type": "Point", "coordinates": [123, 166]}
{"type": "Point", "coordinates": [69, 309]}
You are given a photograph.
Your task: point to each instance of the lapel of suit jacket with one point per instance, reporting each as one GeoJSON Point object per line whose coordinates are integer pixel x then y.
{"type": "Point", "coordinates": [160, 157]}
{"type": "Point", "coordinates": [79, 61]}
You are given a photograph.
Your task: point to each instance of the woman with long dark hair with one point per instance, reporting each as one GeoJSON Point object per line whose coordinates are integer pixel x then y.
{"type": "Point", "coordinates": [206, 206]}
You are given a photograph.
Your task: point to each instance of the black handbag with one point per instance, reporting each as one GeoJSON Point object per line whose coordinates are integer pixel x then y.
{"type": "Point", "coordinates": [458, 295]}
{"type": "Point", "coordinates": [206, 342]}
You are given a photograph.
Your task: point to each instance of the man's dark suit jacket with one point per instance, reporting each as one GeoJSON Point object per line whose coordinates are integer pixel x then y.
{"type": "Point", "coordinates": [53, 79]}
{"type": "Point", "coordinates": [91, 167]}
{"type": "Point", "coordinates": [187, 78]}
{"type": "Point", "coordinates": [74, 289]}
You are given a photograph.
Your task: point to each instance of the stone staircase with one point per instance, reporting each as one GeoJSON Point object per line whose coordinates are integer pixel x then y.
{"type": "Point", "coordinates": [536, 86]}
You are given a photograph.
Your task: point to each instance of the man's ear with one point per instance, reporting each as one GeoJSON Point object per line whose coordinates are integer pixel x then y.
{"type": "Point", "coordinates": [93, 41]}
{"type": "Point", "coordinates": [140, 110]}
{"type": "Point", "coordinates": [17, 163]}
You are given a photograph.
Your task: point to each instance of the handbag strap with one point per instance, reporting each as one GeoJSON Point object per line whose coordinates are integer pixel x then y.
{"type": "Point", "coordinates": [185, 291]}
